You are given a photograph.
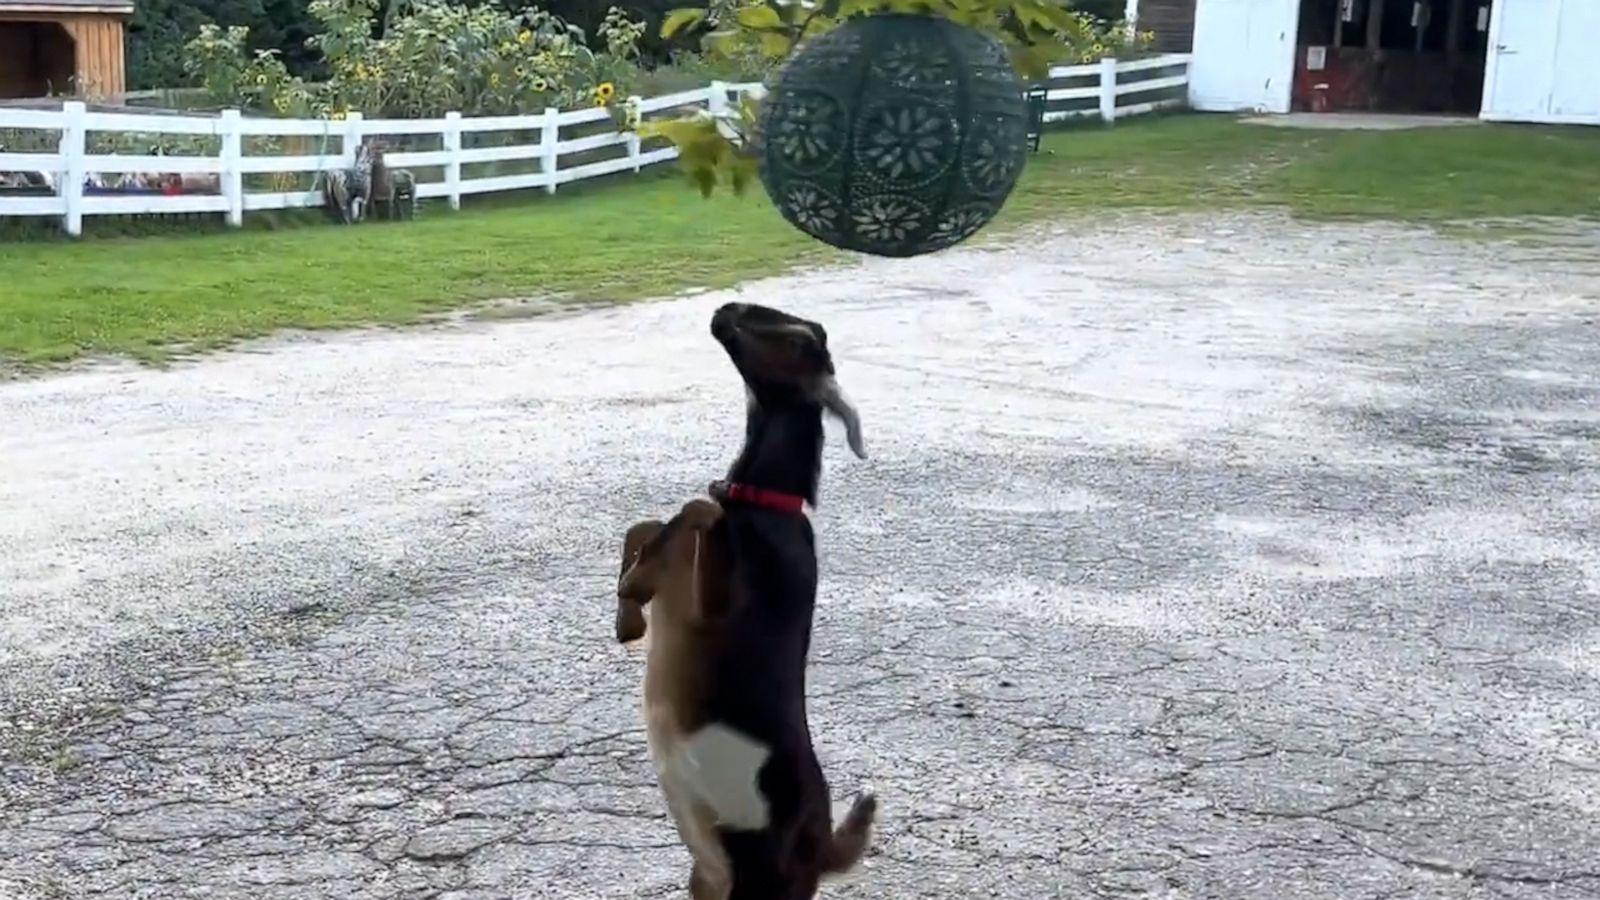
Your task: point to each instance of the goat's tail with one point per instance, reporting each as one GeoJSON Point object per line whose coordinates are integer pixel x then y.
{"type": "Point", "coordinates": [851, 838]}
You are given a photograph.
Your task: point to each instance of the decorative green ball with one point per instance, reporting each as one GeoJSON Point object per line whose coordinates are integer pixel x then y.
{"type": "Point", "coordinates": [894, 135]}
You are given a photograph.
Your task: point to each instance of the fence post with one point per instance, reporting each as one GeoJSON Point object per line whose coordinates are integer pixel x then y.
{"type": "Point", "coordinates": [633, 136]}
{"type": "Point", "coordinates": [73, 146]}
{"type": "Point", "coordinates": [717, 105]}
{"type": "Point", "coordinates": [549, 155]}
{"type": "Point", "coordinates": [1108, 89]}
{"type": "Point", "coordinates": [452, 165]}
{"type": "Point", "coordinates": [231, 179]}
{"type": "Point", "coordinates": [352, 138]}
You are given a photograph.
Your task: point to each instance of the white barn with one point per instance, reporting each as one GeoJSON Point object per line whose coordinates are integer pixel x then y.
{"type": "Point", "coordinates": [1503, 60]}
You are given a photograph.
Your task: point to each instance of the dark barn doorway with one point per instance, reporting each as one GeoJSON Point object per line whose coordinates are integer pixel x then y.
{"type": "Point", "coordinates": [1396, 56]}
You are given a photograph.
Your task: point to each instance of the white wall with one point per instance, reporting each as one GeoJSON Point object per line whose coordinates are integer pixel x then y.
{"type": "Point", "coordinates": [1543, 63]}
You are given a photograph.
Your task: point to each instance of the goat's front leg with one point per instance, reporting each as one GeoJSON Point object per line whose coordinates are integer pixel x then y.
{"type": "Point", "coordinates": [704, 886]}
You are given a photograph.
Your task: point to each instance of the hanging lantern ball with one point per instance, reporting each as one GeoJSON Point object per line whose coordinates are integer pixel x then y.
{"type": "Point", "coordinates": [893, 134]}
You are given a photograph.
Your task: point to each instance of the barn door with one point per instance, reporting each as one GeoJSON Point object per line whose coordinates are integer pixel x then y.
{"type": "Point", "coordinates": [1576, 95]}
{"type": "Point", "coordinates": [1519, 75]}
{"type": "Point", "coordinates": [1243, 55]}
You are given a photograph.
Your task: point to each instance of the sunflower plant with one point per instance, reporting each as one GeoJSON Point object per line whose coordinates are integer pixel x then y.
{"type": "Point", "coordinates": [218, 58]}
{"type": "Point", "coordinates": [434, 58]}
{"type": "Point", "coordinates": [1037, 34]}
{"type": "Point", "coordinates": [439, 57]}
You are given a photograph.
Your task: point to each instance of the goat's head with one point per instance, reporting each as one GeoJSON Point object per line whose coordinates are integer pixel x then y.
{"type": "Point", "coordinates": [784, 361]}
{"type": "Point", "coordinates": [675, 563]}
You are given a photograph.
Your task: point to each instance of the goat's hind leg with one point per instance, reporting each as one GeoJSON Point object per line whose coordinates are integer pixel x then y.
{"type": "Point", "coordinates": [849, 841]}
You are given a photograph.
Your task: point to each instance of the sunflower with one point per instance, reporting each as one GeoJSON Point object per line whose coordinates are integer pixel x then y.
{"type": "Point", "coordinates": [494, 80]}
{"type": "Point", "coordinates": [338, 115]}
{"type": "Point", "coordinates": [261, 78]}
{"type": "Point", "coordinates": [520, 72]}
{"type": "Point", "coordinates": [524, 36]}
{"type": "Point", "coordinates": [605, 92]}
{"type": "Point", "coordinates": [540, 85]}
{"type": "Point", "coordinates": [599, 102]}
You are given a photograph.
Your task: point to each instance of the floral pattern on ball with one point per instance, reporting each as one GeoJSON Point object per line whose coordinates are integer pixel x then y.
{"type": "Point", "coordinates": [908, 143]}
{"type": "Point", "coordinates": [992, 159]}
{"type": "Point", "coordinates": [961, 223]}
{"type": "Point", "coordinates": [913, 64]}
{"type": "Point", "coordinates": [810, 132]}
{"type": "Point", "coordinates": [889, 218]}
{"type": "Point", "coordinates": [811, 208]}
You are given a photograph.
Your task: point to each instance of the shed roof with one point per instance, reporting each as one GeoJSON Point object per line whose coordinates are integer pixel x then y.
{"type": "Point", "coordinates": [71, 7]}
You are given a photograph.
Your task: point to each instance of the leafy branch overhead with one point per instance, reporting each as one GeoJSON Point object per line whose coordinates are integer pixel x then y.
{"type": "Point", "coordinates": [1037, 33]}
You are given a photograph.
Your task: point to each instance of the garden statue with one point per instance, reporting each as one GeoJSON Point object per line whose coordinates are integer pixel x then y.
{"type": "Point", "coordinates": [402, 197]}
{"type": "Point", "coordinates": [394, 191]}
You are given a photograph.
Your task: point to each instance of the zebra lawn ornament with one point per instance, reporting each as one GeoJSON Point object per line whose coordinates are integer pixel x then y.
{"type": "Point", "coordinates": [348, 192]}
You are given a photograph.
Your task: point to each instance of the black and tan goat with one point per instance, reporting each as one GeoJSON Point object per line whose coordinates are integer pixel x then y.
{"type": "Point", "coordinates": [746, 751]}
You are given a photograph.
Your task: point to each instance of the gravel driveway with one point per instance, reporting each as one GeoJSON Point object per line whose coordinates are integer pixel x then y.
{"type": "Point", "coordinates": [1226, 558]}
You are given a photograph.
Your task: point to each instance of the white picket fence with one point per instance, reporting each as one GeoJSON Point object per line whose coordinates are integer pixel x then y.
{"type": "Point", "coordinates": [72, 162]}
{"type": "Point", "coordinates": [1114, 89]}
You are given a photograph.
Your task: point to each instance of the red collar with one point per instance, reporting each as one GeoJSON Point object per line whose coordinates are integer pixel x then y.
{"type": "Point", "coordinates": [755, 496]}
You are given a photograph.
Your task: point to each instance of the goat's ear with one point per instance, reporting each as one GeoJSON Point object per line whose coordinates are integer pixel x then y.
{"type": "Point", "coordinates": [633, 591]}
{"type": "Point", "coordinates": [713, 574]}
{"type": "Point", "coordinates": [711, 571]}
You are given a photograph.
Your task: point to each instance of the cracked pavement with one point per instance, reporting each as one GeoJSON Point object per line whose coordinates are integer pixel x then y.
{"type": "Point", "coordinates": [1224, 557]}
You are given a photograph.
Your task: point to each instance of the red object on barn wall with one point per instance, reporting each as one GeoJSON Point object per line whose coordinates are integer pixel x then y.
{"type": "Point", "coordinates": [1344, 83]}
{"type": "Point", "coordinates": [1354, 79]}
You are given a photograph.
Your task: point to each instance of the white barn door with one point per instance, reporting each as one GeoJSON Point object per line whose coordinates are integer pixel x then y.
{"type": "Point", "coordinates": [1519, 75]}
{"type": "Point", "coordinates": [1542, 64]}
{"type": "Point", "coordinates": [1576, 96]}
{"type": "Point", "coordinates": [1243, 55]}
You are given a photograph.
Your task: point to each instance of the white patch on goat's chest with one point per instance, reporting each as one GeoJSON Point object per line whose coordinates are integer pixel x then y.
{"type": "Point", "coordinates": [719, 768]}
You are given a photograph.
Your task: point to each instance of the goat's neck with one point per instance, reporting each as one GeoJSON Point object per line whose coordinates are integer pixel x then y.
{"type": "Point", "coordinates": [782, 450]}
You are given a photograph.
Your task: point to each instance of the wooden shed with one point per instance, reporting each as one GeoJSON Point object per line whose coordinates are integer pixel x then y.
{"type": "Point", "coordinates": [53, 47]}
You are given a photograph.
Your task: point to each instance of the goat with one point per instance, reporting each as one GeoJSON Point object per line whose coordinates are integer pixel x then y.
{"type": "Point", "coordinates": [775, 828]}
{"type": "Point", "coordinates": [678, 568]}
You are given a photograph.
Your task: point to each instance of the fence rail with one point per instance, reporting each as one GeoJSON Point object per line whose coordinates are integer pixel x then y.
{"type": "Point", "coordinates": [70, 198]}
{"type": "Point", "coordinates": [1110, 89]}
{"type": "Point", "coordinates": [1116, 89]}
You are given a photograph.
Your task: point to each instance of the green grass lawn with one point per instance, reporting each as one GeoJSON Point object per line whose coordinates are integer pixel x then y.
{"type": "Point", "coordinates": [145, 296]}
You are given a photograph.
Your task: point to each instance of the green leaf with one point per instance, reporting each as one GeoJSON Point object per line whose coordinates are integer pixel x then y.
{"type": "Point", "coordinates": [679, 19]}
{"type": "Point", "coordinates": [776, 45]}
{"type": "Point", "coordinates": [1031, 62]}
{"type": "Point", "coordinates": [741, 170]}
{"type": "Point", "coordinates": [759, 18]}
{"type": "Point", "coordinates": [705, 178]}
